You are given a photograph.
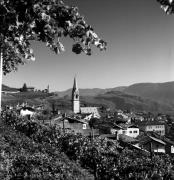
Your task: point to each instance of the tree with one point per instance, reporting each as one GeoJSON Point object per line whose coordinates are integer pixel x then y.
{"type": "Point", "coordinates": [167, 5]}
{"type": "Point", "coordinates": [92, 123]}
{"type": "Point", "coordinates": [24, 88]}
{"type": "Point", "coordinates": [41, 20]}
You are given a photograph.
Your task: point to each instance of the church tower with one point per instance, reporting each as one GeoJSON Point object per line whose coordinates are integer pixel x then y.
{"type": "Point", "coordinates": [75, 98]}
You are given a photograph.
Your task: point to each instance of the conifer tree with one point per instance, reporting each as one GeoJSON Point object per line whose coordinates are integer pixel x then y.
{"type": "Point", "coordinates": [24, 88]}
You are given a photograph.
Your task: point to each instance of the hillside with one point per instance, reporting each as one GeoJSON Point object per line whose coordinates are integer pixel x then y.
{"type": "Point", "coordinates": [90, 92]}
{"type": "Point", "coordinates": [115, 100]}
{"type": "Point", "coordinates": [154, 97]}
{"type": "Point", "coordinates": [161, 92]}
{"type": "Point", "coordinates": [30, 97]}
{"type": "Point", "coordinates": [7, 88]}
{"type": "Point", "coordinates": [120, 100]}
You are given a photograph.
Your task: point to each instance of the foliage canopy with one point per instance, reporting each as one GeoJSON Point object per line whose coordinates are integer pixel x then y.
{"type": "Point", "coordinates": [167, 6]}
{"type": "Point", "coordinates": [41, 20]}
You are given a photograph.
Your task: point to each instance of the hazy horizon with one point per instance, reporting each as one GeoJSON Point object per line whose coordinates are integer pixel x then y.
{"type": "Point", "coordinates": [140, 49]}
{"type": "Point", "coordinates": [88, 88]}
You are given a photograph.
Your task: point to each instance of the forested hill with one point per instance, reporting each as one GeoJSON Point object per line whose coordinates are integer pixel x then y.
{"type": "Point", "coordinates": [90, 92]}
{"type": "Point", "coordinates": [7, 88]}
{"type": "Point", "coordinates": [153, 97]}
{"type": "Point", "coordinates": [163, 92]}
{"type": "Point", "coordinates": [121, 100]}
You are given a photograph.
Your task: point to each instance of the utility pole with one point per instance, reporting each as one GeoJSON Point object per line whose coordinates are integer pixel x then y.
{"type": "Point", "coordinates": [1, 70]}
{"type": "Point", "coordinates": [64, 116]}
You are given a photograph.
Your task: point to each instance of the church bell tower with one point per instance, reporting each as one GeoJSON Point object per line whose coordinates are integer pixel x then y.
{"type": "Point", "coordinates": [75, 98]}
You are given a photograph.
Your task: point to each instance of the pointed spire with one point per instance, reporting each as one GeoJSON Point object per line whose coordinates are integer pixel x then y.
{"type": "Point", "coordinates": [48, 88]}
{"type": "Point", "coordinates": [75, 83]}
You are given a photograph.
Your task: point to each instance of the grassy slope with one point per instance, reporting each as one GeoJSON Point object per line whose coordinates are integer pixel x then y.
{"type": "Point", "coordinates": [30, 97]}
{"type": "Point", "coordinates": [12, 141]}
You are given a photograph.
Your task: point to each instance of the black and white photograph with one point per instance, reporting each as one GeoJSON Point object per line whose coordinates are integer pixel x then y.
{"type": "Point", "coordinates": [86, 90]}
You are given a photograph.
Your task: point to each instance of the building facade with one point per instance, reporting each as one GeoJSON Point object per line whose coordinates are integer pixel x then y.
{"type": "Point", "coordinates": [129, 130]}
{"type": "Point", "coordinates": [90, 110]}
{"type": "Point", "coordinates": [153, 126]}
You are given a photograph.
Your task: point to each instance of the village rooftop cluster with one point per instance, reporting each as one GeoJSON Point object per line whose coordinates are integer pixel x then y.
{"type": "Point", "coordinates": [143, 131]}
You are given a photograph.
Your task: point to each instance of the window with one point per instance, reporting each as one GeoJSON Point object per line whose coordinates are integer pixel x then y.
{"type": "Point", "coordinates": [124, 132]}
{"type": "Point", "coordinates": [135, 131]}
{"type": "Point", "coordinates": [84, 126]}
{"type": "Point", "coordinates": [130, 131]}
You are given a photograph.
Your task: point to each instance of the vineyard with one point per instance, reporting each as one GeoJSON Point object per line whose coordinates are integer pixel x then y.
{"type": "Point", "coordinates": [29, 150]}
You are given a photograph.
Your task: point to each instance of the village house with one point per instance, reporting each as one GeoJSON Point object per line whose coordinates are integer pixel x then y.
{"type": "Point", "coordinates": [156, 143]}
{"type": "Point", "coordinates": [153, 144]}
{"type": "Point", "coordinates": [152, 126]}
{"type": "Point", "coordinates": [86, 117]}
{"type": "Point", "coordinates": [126, 129]}
{"type": "Point", "coordinates": [125, 116]}
{"type": "Point", "coordinates": [27, 111]}
{"type": "Point", "coordinates": [30, 89]}
{"type": "Point", "coordinates": [77, 125]}
{"type": "Point", "coordinates": [94, 111]}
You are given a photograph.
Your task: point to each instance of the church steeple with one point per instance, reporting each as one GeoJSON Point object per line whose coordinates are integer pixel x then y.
{"type": "Point", "coordinates": [75, 84]}
{"type": "Point", "coordinates": [75, 97]}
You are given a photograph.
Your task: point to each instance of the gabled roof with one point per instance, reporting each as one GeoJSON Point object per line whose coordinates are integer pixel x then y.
{"type": "Point", "coordinates": [118, 126]}
{"type": "Point", "coordinates": [163, 138]}
{"type": "Point", "coordinates": [27, 108]}
{"type": "Point", "coordinates": [157, 140]}
{"type": "Point", "coordinates": [75, 120]}
{"type": "Point", "coordinates": [147, 138]}
{"type": "Point", "coordinates": [125, 126]}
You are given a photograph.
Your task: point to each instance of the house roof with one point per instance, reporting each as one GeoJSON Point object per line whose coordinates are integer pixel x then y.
{"type": "Point", "coordinates": [28, 108]}
{"type": "Point", "coordinates": [163, 138]}
{"type": "Point", "coordinates": [157, 140]}
{"type": "Point", "coordinates": [30, 87]}
{"type": "Point", "coordinates": [138, 148]}
{"type": "Point", "coordinates": [75, 120]}
{"type": "Point", "coordinates": [127, 139]}
{"type": "Point", "coordinates": [125, 126]}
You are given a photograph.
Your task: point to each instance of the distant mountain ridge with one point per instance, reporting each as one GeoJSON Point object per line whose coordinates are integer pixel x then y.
{"type": "Point", "coordinates": [156, 97]}
{"type": "Point", "coordinates": [7, 88]}
{"type": "Point", "coordinates": [162, 92]}
{"type": "Point", "coordinates": [121, 100]}
{"type": "Point", "coordinates": [90, 92]}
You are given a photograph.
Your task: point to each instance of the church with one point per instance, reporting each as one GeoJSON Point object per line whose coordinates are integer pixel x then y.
{"type": "Point", "coordinates": [76, 103]}
{"type": "Point", "coordinates": [75, 98]}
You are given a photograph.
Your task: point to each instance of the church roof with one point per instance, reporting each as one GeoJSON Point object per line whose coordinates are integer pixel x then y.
{"type": "Point", "coordinates": [75, 84]}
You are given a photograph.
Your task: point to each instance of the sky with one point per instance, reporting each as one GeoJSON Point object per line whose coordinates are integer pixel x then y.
{"type": "Point", "coordinates": [140, 39]}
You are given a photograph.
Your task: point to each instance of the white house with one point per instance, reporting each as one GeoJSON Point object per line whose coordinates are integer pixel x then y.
{"type": "Point", "coordinates": [27, 111]}
{"type": "Point", "coordinates": [129, 130]}
{"type": "Point", "coordinates": [90, 110]}
{"type": "Point", "coordinates": [153, 126]}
